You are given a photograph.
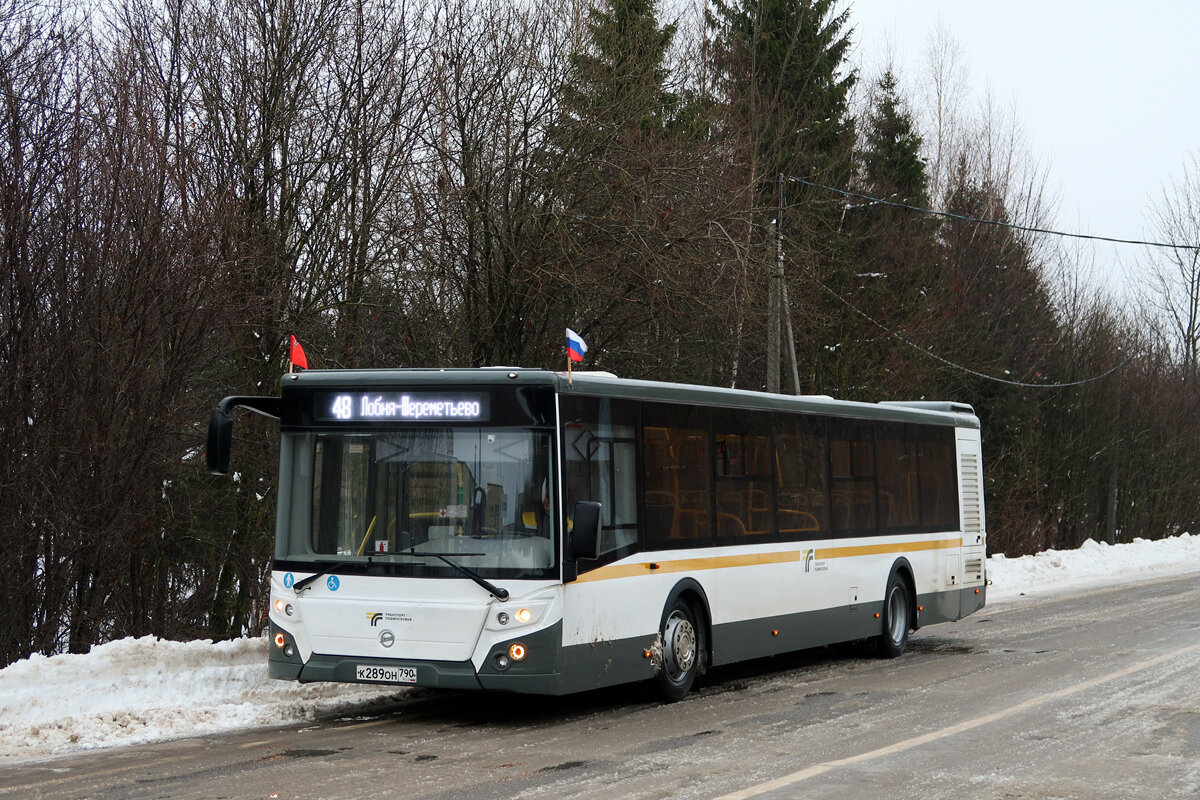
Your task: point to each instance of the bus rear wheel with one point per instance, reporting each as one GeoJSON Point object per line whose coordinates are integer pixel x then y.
{"type": "Point", "coordinates": [681, 652]}
{"type": "Point", "coordinates": [897, 619]}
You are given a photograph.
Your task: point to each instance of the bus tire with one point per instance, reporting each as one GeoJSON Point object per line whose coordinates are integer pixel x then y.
{"type": "Point", "coordinates": [897, 618]}
{"type": "Point", "coordinates": [682, 649]}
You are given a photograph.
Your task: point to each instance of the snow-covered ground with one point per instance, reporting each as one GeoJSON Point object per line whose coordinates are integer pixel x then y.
{"type": "Point", "coordinates": [141, 690]}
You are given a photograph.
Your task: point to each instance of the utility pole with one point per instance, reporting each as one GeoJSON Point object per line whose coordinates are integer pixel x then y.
{"type": "Point", "coordinates": [1114, 475]}
{"type": "Point", "coordinates": [775, 296]}
{"type": "Point", "coordinates": [779, 317]}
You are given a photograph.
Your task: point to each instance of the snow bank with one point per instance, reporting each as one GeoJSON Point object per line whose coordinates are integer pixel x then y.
{"type": "Point", "coordinates": [141, 690]}
{"type": "Point", "coordinates": [1095, 563]}
{"type": "Point", "coordinates": [148, 689]}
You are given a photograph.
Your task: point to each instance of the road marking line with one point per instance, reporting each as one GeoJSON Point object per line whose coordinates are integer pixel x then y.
{"type": "Point", "coordinates": [368, 724]}
{"type": "Point", "coordinates": [908, 744]}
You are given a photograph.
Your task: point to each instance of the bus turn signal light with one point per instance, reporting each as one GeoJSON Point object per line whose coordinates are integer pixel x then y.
{"type": "Point", "coordinates": [279, 640]}
{"type": "Point", "coordinates": [517, 652]}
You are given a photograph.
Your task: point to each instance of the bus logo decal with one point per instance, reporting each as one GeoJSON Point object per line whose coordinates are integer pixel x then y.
{"type": "Point", "coordinates": [809, 555]}
{"type": "Point", "coordinates": [374, 617]}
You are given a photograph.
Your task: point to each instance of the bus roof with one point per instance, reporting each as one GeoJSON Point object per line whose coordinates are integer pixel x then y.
{"type": "Point", "coordinates": [606, 384]}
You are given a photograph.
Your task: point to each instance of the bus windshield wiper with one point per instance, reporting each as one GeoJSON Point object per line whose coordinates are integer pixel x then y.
{"type": "Point", "coordinates": [496, 591]}
{"type": "Point", "coordinates": [324, 568]}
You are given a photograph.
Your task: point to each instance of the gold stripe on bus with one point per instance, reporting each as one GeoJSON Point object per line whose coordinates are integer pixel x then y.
{"type": "Point", "coordinates": [756, 559]}
{"type": "Point", "coordinates": [890, 547]}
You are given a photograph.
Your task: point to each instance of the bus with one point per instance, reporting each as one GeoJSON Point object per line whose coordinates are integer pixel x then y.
{"type": "Point", "coordinates": [528, 531]}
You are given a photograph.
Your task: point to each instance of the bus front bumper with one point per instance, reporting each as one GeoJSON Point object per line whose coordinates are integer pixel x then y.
{"type": "Point", "coordinates": [536, 672]}
{"type": "Point", "coordinates": [342, 669]}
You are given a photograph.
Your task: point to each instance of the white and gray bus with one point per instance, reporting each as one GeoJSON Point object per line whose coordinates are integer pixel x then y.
{"type": "Point", "coordinates": [513, 530]}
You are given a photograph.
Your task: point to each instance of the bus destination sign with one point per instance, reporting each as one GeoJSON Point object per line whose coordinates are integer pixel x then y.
{"type": "Point", "coordinates": [401, 407]}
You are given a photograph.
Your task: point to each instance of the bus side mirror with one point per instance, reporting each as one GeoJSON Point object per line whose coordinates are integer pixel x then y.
{"type": "Point", "coordinates": [220, 427]}
{"type": "Point", "coordinates": [585, 536]}
{"type": "Point", "coordinates": [220, 440]}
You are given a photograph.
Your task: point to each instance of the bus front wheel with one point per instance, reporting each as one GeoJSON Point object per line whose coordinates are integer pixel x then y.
{"type": "Point", "coordinates": [681, 651]}
{"type": "Point", "coordinates": [897, 619]}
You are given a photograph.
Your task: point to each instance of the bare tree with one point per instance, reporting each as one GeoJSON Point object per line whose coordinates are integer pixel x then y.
{"type": "Point", "coordinates": [112, 283]}
{"type": "Point", "coordinates": [486, 213]}
{"type": "Point", "coordinates": [945, 93]}
{"type": "Point", "coordinates": [1172, 296]}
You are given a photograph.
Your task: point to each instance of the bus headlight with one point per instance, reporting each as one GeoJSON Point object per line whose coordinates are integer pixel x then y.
{"type": "Point", "coordinates": [510, 616]}
{"type": "Point", "coordinates": [284, 607]}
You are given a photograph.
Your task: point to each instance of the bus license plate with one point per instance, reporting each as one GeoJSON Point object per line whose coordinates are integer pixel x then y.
{"type": "Point", "coordinates": [364, 672]}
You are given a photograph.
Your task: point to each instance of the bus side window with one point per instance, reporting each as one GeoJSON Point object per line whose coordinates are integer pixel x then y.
{"type": "Point", "coordinates": [938, 479]}
{"type": "Point", "coordinates": [744, 494]}
{"type": "Point", "coordinates": [852, 462]}
{"type": "Point", "coordinates": [599, 465]}
{"type": "Point", "coordinates": [801, 490]}
{"type": "Point", "coordinates": [677, 476]}
{"type": "Point", "coordinates": [896, 451]}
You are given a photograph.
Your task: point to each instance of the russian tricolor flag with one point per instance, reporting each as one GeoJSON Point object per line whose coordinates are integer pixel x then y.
{"type": "Point", "coordinates": [576, 346]}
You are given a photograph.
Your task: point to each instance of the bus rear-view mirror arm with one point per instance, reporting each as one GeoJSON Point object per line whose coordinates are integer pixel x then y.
{"type": "Point", "coordinates": [220, 427]}
{"type": "Point", "coordinates": [585, 536]}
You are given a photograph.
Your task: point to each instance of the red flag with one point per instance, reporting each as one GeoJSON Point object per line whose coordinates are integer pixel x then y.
{"type": "Point", "coordinates": [296, 355]}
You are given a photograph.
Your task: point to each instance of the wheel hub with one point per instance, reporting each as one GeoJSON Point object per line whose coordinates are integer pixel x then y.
{"type": "Point", "coordinates": [679, 646]}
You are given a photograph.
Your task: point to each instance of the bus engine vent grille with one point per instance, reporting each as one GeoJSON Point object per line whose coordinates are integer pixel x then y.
{"type": "Point", "coordinates": [973, 568]}
{"type": "Point", "coordinates": [972, 494]}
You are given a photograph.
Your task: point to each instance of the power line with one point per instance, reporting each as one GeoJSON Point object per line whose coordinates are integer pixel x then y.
{"type": "Point", "coordinates": [930, 354]}
{"type": "Point", "coordinates": [996, 223]}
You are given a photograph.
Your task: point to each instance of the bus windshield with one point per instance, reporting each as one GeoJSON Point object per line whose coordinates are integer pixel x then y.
{"type": "Point", "coordinates": [480, 496]}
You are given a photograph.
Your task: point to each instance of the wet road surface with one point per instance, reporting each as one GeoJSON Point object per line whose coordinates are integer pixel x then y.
{"type": "Point", "coordinates": [1086, 695]}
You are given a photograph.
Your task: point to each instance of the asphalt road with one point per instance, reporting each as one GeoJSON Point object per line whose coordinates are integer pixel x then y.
{"type": "Point", "coordinates": [1087, 695]}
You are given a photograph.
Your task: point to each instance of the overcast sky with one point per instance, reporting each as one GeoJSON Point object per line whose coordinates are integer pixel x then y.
{"type": "Point", "coordinates": [1106, 93]}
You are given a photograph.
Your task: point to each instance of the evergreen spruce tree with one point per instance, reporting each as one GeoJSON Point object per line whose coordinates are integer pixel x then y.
{"type": "Point", "coordinates": [637, 199]}
{"type": "Point", "coordinates": [892, 167]}
{"type": "Point", "coordinates": [1002, 325]}
{"type": "Point", "coordinates": [898, 281]}
{"type": "Point", "coordinates": [785, 82]}
{"type": "Point", "coordinates": [617, 81]}
{"type": "Point", "coordinates": [785, 74]}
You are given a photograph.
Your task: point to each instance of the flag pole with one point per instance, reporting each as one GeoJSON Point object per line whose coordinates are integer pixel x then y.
{"type": "Point", "coordinates": [570, 379]}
